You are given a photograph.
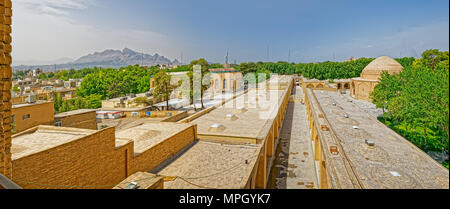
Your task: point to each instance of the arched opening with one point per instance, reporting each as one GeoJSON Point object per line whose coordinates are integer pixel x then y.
{"type": "Point", "coordinates": [319, 85]}
{"type": "Point", "coordinates": [339, 86]}
{"type": "Point", "coordinates": [309, 86]}
{"type": "Point", "coordinates": [363, 90]}
{"type": "Point", "coordinates": [346, 86]}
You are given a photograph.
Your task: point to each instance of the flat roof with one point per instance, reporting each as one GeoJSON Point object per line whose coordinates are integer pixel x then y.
{"type": "Point", "coordinates": [124, 109]}
{"type": "Point", "coordinates": [129, 97]}
{"type": "Point", "coordinates": [260, 107]}
{"type": "Point", "coordinates": [363, 79]}
{"type": "Point", "coordinates": [211, 165]}
{"type": "Point", "coordinates": [29, 104]}
{"type": "Point", "coordinates": [74, 112]}
{"type": "Point", "coordinates": [42, 138]}
{"type": "Point", "coordinates": [392, 163]}
{"type": "Point", "coordinates": [147, 135]}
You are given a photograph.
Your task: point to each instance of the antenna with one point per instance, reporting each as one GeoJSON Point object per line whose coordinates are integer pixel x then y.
{"type": "Point", "coordinates": [181, 59]}
{"type": "Point", "coordinates": [226, 58]}
{"type": "Point", "coordinates": [267, 53]}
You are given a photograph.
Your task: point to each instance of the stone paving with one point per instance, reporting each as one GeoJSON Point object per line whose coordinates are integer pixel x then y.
{"type": "Point", "coordinates": [294, 167]}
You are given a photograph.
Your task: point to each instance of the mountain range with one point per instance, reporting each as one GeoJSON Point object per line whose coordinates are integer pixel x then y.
{"type": "Point", "coordinates": [107, 59]}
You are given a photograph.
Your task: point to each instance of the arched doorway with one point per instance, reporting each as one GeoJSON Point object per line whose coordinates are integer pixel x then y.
{"type": "Point", "coordinates": [346, 86]}
{"type": "Point", "coordinates": [363, 90]}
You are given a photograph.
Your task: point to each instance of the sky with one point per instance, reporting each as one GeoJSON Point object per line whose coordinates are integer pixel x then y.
{"type": "Point", "coordinates": [57, 31]}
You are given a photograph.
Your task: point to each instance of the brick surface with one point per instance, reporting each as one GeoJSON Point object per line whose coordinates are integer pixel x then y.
{"type": "Point", "coordinates": [5, 87]}
{"type": "Point", "coordinates": [94, 161]}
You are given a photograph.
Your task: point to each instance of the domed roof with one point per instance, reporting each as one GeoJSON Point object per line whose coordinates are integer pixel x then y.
{"type": "Point", "coordinates": [384, 63]}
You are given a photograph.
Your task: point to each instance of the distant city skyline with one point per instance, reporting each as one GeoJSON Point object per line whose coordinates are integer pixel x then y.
{"type": "Point", "coordinates": [46, 31]}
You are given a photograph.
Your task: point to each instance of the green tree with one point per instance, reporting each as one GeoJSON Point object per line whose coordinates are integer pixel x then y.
{"type": "Point", "coordinates": [163, 88]}
{"type": "Point", "coordinates": [16, 88]}
{"type": "Point", "coordinates": [433, 58]}
{"type": "Point", "coordinates": [43, 76]}
{"type": "Point", "coordinates": [142, 100]}
{"type": "Point", "coordinates": [204, 70]}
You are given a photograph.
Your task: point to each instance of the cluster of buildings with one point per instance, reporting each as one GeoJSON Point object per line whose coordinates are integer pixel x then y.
{"type": "Point", "coordinates": [32, 100]}
{"type": "Point", "coordinates": [32, 88]}
{"type": "Point", "coordinates": [360, 87]}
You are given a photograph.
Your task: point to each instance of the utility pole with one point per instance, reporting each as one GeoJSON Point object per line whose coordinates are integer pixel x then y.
{"type": "Point", "coordinates": [181, 58]}
{"type": "Point", "coordinates": [226, 58]}
{"type": "Point", "coordinates": [142, 58]}
{"type": "Point", "coordinates": [289, 55]}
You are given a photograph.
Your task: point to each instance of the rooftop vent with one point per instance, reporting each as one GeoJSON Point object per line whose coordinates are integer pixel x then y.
{"type": "Point", "coordinates": [334, 150]}
{"type": "Point", "coordinates": [132, 185]}
{"type": "Point", "coordinates": [395, 173]}
{"type": "Point", "coordinates": [216, 128]}
{"type": "Point", "coordinates": [345, 116]}
{"type": "Point", "coordinates": [355, 127]}
{"type": "Point", "coordinates": [324, 127]}
{"type": "Point", "coordinates": [241, 110]}
{"type": "Point", "coordinates": [334, 103]}
{"type": "Point", "coordinates": [370, 143]}
{"type": "Point", "coordinates": [231, 117]}
{"type": "Point", "coordinates": [320, 115]}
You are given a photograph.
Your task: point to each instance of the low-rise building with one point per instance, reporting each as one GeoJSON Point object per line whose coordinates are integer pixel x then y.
{"type": "Point", "coordinates": [82, 118]}
{"type": "Point", "coordinates": [60, 157]}
{"type": "Point", "coordinates": [225, 80]}
{"type": "Point", "coordinates": [28, 115]}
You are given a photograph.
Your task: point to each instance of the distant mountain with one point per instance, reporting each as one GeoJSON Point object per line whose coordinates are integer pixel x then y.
{"type": "Point", "coordinates": [107, 59]}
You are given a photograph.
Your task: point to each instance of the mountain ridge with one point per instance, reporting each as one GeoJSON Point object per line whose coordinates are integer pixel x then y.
{"type": "Point", "coordinates": [108, 58]}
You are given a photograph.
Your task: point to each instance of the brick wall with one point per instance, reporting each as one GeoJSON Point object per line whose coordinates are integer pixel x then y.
{"type": "Point", "coordinates": [5, 87]}
{"type": "Point", "coordinates": [39, 114]}
{"type": "Point", "coordinates": [94, 161]}
{"type": "Point", "coordinates": [159, 153]}
{"type": "Point", "coordinates": [89, 161]}
{"type": "Point", "coordinates": [86, 120]}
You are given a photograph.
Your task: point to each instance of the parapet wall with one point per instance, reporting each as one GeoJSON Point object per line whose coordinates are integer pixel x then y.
{"type": "Point", "coordinates": [334, 169]}
{"type": "Point", "coordinates": [85, 120]}
{"type": "Point", "coordinates": [318, 135]}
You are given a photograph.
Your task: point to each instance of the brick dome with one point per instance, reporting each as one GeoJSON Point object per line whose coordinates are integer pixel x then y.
{"type": "Point", "coordinates": [374, 69]}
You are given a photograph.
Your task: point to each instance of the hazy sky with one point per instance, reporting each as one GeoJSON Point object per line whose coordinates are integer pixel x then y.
{"type": "Point", "coordinates": [314, 30]}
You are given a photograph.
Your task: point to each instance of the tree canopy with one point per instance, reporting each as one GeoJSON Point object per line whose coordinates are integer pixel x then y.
{"type": "Point", "coordinates": [417, 99]}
